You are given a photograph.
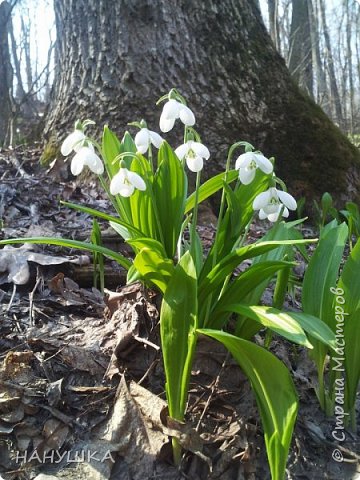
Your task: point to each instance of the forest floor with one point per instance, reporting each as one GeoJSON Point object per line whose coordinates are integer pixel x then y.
{"type": "Point", "coordinates": [81, 376]}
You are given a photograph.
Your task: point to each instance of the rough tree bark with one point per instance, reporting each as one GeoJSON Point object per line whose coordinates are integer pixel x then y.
{"type": "Point", "coordinates": [115, 59]}
{"type": "Point", "coordinates": [5, 71]}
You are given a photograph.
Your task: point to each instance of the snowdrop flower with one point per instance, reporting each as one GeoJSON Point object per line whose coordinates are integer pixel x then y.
{"type": "Point", "coordinates": [271, 202]}
{"type": "Point", "coordinates": [194, 154]}
{"type": "Point", "coordinates": [125, 182]}
{"type": "Point", "coordinates": [86, 156]}
{"type": "Point", "coordinates": [73, 142]}
{"type": "Point", "coordinates": [247, 164]}
{"type": "Point", "coordinates": [173, 110]}
{"type": "Point", "coordinates": [144, 138]}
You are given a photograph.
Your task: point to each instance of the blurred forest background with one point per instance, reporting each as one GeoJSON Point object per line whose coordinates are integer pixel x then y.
{"type": "Point", "coordinates": [318, 39]}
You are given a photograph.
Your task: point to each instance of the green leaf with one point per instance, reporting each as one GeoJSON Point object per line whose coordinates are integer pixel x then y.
{"type": "Point", "coordinates": [317, 299]}
{"type": "Point", "coordinates": [242, 286]}
{"type": "Point", "coordinates": [210, 187]}
{"type": "Point", "coordinates": [274, 392]}
{"type": "Point", "coordinates": [178, 337]}
{"type": "Point", "coordinates": [322, 274]}
{"type": "Point", "coordinates": [350, 285]}
{"type": "Point", "coordinates": [154, 268]}
{"type": "Point", "coordinates": [170, 190]}
{"type": "Point", "coordinates": [141, 202]}
{"type": "Point", "coordinates": [290, 325]}
{"type": "Point", "coordinates": [226, 266]}
{"type": "Point", "coordinates": [237, 216]}
{"type": "Point", "coordinates": [65, 242]}
{"type": "Point", "coordinates": [151, 262]}
{"type": "Point", "coordinates": [111, 148]}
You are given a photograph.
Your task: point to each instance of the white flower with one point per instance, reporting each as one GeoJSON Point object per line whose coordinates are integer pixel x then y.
{"type": "Point", "coordinates": [86, 156]}
{"type": "Point", "coordinates": [74, 141]}
{"type": "Point", "coordinates": [173, 110]}
{"type": "Point", "coordinates": [194, 154]}
{"type": "Point", "coordinates": [247, 164]}
{"type": "Point", "coordinates": [271, 202]}
{"type": "Point", "coordinates": [125, 182]}
{"type": "Point", "coordinates": [144, 138]}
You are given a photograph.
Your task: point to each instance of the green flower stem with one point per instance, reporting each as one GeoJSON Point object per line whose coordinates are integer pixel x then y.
{"type": "Point", "coordinates": [185, 380]}
{"type": "Point", "coordinates": [194, 218]}
{"type": "Point", "coordinates": [156, 213]}
{"type": "Point", "coordinates": [176, 448]}
{"type": "Point", "coordinates": [220, 218]}
{"type": "Point", "coordinates": [278, 298]}
{"type": "Point", "coordinates": [150, 156]}
{"type": "Point", "coordinates": [239, 243]}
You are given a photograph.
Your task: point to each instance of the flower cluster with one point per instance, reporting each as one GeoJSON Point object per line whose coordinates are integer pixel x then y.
{"type": "Point", "coordinates": [271, 204]}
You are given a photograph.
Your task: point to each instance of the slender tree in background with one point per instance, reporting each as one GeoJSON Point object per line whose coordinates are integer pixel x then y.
{"type": "Point", "coordinates": [321, 87]}
{"type": "Point", "coordinates": [274, 23]}
{"type": "Point", "coordinates": [6, 72]}
{"type": "Point", "coordinates": [334, 91]}
{"type": "Point", "coordinates": [114, 58]}
{"type": "Point", "coordinates": [300, 54]}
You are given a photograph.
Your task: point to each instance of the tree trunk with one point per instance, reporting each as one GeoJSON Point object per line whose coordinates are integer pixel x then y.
{"type": "Point", "coordinates": [6, 74]}
{"type": "Point", "coordinates": [115, 59]}
{"type": "Point", "coordinates": [349, 22]}
{"type": "Point", "coordinates": [330, 63]}
{"type": "Point", "coordinates": [321, 88]}
{"type": "Point", "coordinates": [274, 23]}
{"type": "Point", "coordinates": [300, 61]}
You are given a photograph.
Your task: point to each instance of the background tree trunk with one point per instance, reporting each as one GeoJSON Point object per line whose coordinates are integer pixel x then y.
{"type": "Point", "coordinates": [6, 73]}
{"type": "Point", "coordinates": [300, 53]}
{"type": "Point", "coordinates": [330, 64]}
{"type": "Point", "coordinates": [114, 60]}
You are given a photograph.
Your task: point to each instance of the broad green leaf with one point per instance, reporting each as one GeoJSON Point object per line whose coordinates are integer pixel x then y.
{"type": "Point", "coordinates": [154, 268]}
{"type": "Point", "coordinates": [352, 359]}
{"type": "Point", "coordinates": [246, 194]}
{"type": "Point", "coordinates": [322, 274]}
{"type": "Point", "coordinates": [178, 321]}
{"type": "Point", "coordinates": [151, 262]}
{"type": "Point", "coordinates": [170, 190]}
{"type": "Point", "coordinates": [237, 216]}
{"type": "Point", "coordinates": [274, 392]}
{"type": "Point", "coordinates": [141, 202]}
{"type": "Point", "coordinates": [210, 187]}
{"type": "Point", "coordinates": [65, 242]}
{"type": "Point", "coordinates": [226, 266]}
{"type": "Point", "coordinates": [328, 227]}
{"type": "Point", "coordinates": [111, 147]}
{"type": "Point", "coordinates": [290, 325]}
{"type": "Point", "coordinates": [246, 328]}
{"type": "Point", "coordinates": [317, 299]}
{"type": "Point", "coordinates": [242, 286]}
{"type": "Point", "coordinates": [349, 318]}
{"type": "Point", "coordinates": [146, 242]}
